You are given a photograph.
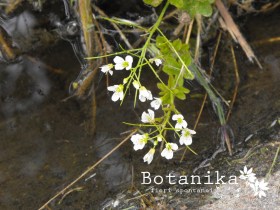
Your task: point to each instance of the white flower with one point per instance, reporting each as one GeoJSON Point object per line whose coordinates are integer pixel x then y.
{"type": "Point", "coordinates": [159, 138]}
{"type": "Point", "coordinates": [149, 156]}
{"type": "Point", "coordinates": [136, 84]}
{"type": "Point", "coordinates": [144, 94]}
{"type": "Point", "coordinates": [118, 92]}
{"type": "Point", "coordinates": [121, 63]}
{"type": "Point", "coordinates": [259, 188]}
{"type": "Point", "coordinates": [107, 68]}
{"type": "Point", "coordinates": [186, 137]}
{"type": "Point", "coordinates": [248, 174]}
{"type": "Point", "coordinates": [148, 117]}
{"type": "Point", "coordinates": [139, 141]}
{"type": "Point", "coordinates": [158, 61]}
{"type": "Point", "coordinates": [181, 123]}
{"type": "Point", "coordinates": [156, 103]}
{"type": "Point", "coordinates": [125, 80]}
{"type": "Point", "coordinates": [168, 151]}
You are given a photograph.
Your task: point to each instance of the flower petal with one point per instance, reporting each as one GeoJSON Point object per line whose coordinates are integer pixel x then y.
{"type": "Point", "coordinates": [119, 66]}
{"type": "Point", "coordinates": [184, 124]}
{"type": "Point", "coordinates": [188, 141]}
{"type": "Point", "coordinates": [136, 84]}
{"type": "Point", "coordinates": [164, 152]}
{"type": "Point", "coordinates": [145, 117]}
{"type": "Point", "coordinates": [192, 131]}
{"type": "Point", "coordinates": [158, 62]}
{"type": "Point", "coordinates": [176, 116]}
{"type": "Point", "coordinates": [174, 146]}
{"type": "Point", "coordinates": [149, 96]}
{"type": "Point", "coordinates": [138, 146]}
{"type": "Point", "coordinates": [168, 154]}
{"type": "Point", "coordinates": [262, 194]}
{"type": "Point", "coordinates": [112, 88]}
{"type": "Point", "coordinates": [121, 95]}
{"type": "Point", "coordinates": [250, 171]}
{"type": "Point", "coordinates": [151, 113]}
{"type": "Point", "coordinates": [245, 169]}
{"type": "Point", "coordinates": [118, 60]}
{"type": "Point", "coordinates": [142, 98]}
{"type": "Point", "coordinates": [159, 138]}
{"type": "Point", "coordinates": [129, 59]}
{"type": "Point", "coordinates": [178, 126]}
{"type": "Point", "coordinates": [156, 103]}
{"type": "Point", "coordinates": [115, 97]}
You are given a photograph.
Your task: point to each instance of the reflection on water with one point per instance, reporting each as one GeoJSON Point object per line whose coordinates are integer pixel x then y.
{"type": "Point", "coordinates": [44, 143]}
{"type": "Point", "coordinates": [24, 77]}
{"type": "Point", "coordinates": [21, 25]}
{"type": "Point", "coordinates": [115, 169]}
{"type": "Point", "coordinates": [273, 64]}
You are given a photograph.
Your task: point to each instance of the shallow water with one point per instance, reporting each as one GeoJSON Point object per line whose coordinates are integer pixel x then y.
{"type": "Point", "coordinates": [46, 143]}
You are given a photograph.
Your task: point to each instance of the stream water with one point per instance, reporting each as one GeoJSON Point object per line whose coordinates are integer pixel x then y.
{"type": "Point", "coordinates": [44, 140]}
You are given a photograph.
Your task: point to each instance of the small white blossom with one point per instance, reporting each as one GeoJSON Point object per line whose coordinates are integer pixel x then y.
{"type": "Point", "coordinates": [149, 156]}
{"type": "Point", "coordinates": [107, 69]}
{"type": "Point", "coordinates": [159, 138]}
{"type": "Point", "coordinates": [181, 123]}
{"type": "Point", "coordinates": [156, 103]}
{"type": "Point", "coordinates": [136, 84]}
{"type": "Point", "coordinates": [148, 117]}
{"type": "Point", "coordinates": [144, 94]}
{"type": "Point", "coordinates": [125, 80]}
{"type": "Point", "coordinates": [186, 137]}
{"type": "Point", "coordinates": [248, 174]}
{"type": "Point", "coordinates": [123, 64]}
{"type": "Point", "coordinates": [118, 92]}
{"type": "Point", "coordinates": [158, 62]}
{"type": "Point", "coordinates": [259, 188]}
{"type": "Point", "coordinates": [168, 151]}
{"type": "Point", "coordinates": [139, 141]}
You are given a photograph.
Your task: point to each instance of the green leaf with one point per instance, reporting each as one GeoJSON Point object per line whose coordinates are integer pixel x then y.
{"type": "Point", "coordinates": [205, 9]}
{"type": "Point", "coordinates": [184, 90]}
{"type": "Point", "coordinates": [161, 87]}
{"type": "Point", "coordinates": [177, 58]}
{"type": "Point", "coordinates": [180, 81]}
{"type": "Point", "coordinates": [171, 81]}
{"type": "Point", "coordinates": [161, 42]}
{"type": "Point", "coordinates": [153, 3]}
{"type": "Point", "coordinates": [180, 95]}
{"type": "Point", "coordinates": [177, 44]}
{"type": "Point", "coordinates": [171, 66]}
{"type": "Point", "coordinates": [188, 75]}
{"type": "Point", "coordinates": [202, 7]}
{"type": "Point", "coordinates": [177, 3]}
{"type": "Point", "coordinates": [186, 58]}
{"type": "Point", "coordinates": [166, 98]}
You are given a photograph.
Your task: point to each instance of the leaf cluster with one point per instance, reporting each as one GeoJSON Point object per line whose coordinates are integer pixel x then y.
{"type": "Point", "coordinates": [193, 7]}
{"type": "Point", "coordinates": [176, 58]}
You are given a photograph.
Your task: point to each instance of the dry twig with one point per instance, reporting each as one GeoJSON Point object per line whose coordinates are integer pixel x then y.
{"type": "Point", "coordinates": [237, 80]}
{"type": "Point", "coordinates": [232, 28]}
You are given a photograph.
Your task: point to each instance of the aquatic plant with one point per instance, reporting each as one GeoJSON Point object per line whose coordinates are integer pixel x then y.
{"type": "Point", "coordinates": [176, 62]}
